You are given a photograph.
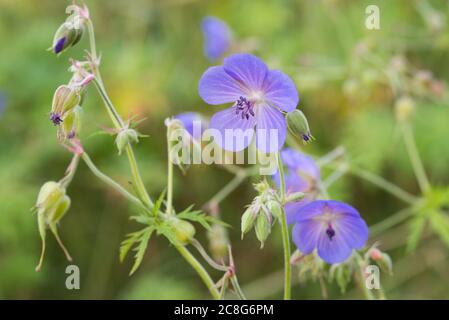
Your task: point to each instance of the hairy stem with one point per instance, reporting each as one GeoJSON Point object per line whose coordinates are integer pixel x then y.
{"type": "Point", "coordinates": [204, 275]}
{"type": "Point", "coordinates": [106, 179]}
{"type": "Point", "coordinates": [285, 235]}
{"type": "Point", "coordinates": [413, 154]}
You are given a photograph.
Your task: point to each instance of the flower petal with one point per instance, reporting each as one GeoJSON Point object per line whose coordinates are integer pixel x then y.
{"type": "Point", "coordinates": [217, 37]}
{"type": "Point", "coordinates": [353, 230]}
{"type": "Point", "coordinates": [271, 129]}
{"type": "Point", "coordinates": [189, 121]}
{"type": "Point", "coordinates": [218, 87]}
{"type": "Point", "coordinates": [247, 69]}
{"type": "Point", "coordinates": [234, 133]}
{"type": "Point", "coordinates": [335, 250]}
{"type": "Point", "coordinates": [308, 211]}
{"type": "Point", "coordinates": [306, 236]}
{"type": "Point", "coordinates": [280, 90]}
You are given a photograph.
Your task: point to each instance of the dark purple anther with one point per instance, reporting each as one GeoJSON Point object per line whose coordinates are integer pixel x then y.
{"type": "Point", "coordinates": [330, 232]}
{"type": "Point", "coordinates": [55, 118]}
{"type": "Point", "coordinates": [244, 106]}
{"type": "Point", "coordinates": [59, 45]}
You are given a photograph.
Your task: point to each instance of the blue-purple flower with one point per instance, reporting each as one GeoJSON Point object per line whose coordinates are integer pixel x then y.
{"type": "Point", "coordinates": [331, 227]}
{"type": "Point", "coordinates": [302, 174]}
{"type": "Point", "coordinates": [189, 121]}
{"type": "Point", "coordinates": [217, 37]}
{"type": "Point", "coordinates": [259, 97]}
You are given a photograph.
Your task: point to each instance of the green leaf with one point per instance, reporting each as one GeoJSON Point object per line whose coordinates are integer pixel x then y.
{"type": "Point", "coordinates": [141, 248]}
{"type": "Point", "coordinates": [168, 232]}
{"type": "Point", "coordinates": [440, 225]}
{"type": "Point", "coordinates": [200, 217]}
{"type": "Point", "coordinates": [416, 228]}
{"type": "Point", "coordinates": [158, 203]}
{"type": "Point", "coordinates": [126, 244]}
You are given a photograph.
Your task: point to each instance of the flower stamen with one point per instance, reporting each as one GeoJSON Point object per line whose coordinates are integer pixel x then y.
{"type": "Point", "coordinates": [244, 107]}
{"type": "Point", "coordinates": [330, 232]}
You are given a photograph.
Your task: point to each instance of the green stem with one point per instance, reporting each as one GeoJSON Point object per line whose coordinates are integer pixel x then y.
{"type": "Point", "coordinates": [109, 181]}
{"type": "Point", "coordinates": [238, 290]}
{"type": "Point", "coordinates": [390, 222]}
{"type": "Point", "coordinates": [228, 188]}
{"type": "Point", "coordinates": [169, 177]}
{"type": "Point", "coordinates": [285, 235]}
{"type": "Point", "coordinates": [115, 117]}
{"type": "Point", "coordinates": [413, 154]}
{"type": "Point", "coordinates": [200, 270]}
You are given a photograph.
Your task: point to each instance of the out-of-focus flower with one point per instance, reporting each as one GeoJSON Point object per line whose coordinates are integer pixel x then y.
{"type": "Point", "coordinates": [331, 227]}
{"type": "Point", "coordinates": [302, 175]}
{"type": "Point", "coordinates": [217, 37]}
{"type": "Point", "coordinates": [404, 108]}
{"type": "Point", "coordinates": [190, 120]}
{"type": "Point", "coordinates": [259, 97]}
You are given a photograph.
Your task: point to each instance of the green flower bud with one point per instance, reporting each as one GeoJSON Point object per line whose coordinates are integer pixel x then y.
{"type": "Point", "coordinates": [262, 228]}
{"type": "Point", "coordinates": [404, 107]}
{"type": "Point", "coordinates": [184, 231]}
{"type": "Point", "coordinates": [298, 125]}
{"type": "Point", "coordinates": [60, 210]}
{"type": "Point", "coordinates": [293, 197]}
{"type": "Point", "coordinates": [218, 242]}
{"type": "Point", "coordinates": [275, 209]}
{"type": "Point", "coordinates": [64, 100]}
{"type": "Point", "coordinates": [248, 219]}
{"type": "Point", "coordinates": [72, 122]}
{"type": "Point", "coordinates": [125, 137]}
{"type": "Point", "coordinates": [49, 196]}
{"type": "Point", "coordinates": [52, 204]}
{"type": "Point", "coordinates": [67, 35]}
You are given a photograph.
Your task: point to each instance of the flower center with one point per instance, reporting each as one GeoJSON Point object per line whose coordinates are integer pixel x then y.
{"type": "Point", "coordinates": [55, 118]}
{"type": "Point", "coordinates": [330, 232]}
{"type": "Point", "coordinates": [244, 107]}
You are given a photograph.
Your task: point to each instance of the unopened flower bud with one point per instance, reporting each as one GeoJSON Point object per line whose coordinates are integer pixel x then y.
{"type": "Point", "coordinates": [125, 137]}
{"type": "Point", "coordinates": [218, 241]}
{"type": "Point", "coordinates": [72, 122]}
{"type": "Point", "coordinates": [382, 259]}
{"type": "Point", "coordinates": [49, 195]}
{"type": "Point", "coordinates": [275, 209]}
{"type": "Point", "coordinates": [298, 125]}
{"type": "Point", "coordinates": [295, 196]}
{"type": "Point", "coordinates": [183, 230]}
{"type": "Point", "coordinates": [262, 228]}
{"type": "Point", "coordinates": [68, 34]}
{"type": "Point", "coordinates": [64, 99]}
{"type": "Point", "coordinates": [248, 219]}
{"type": "Point", "coordinates": [404, 107]}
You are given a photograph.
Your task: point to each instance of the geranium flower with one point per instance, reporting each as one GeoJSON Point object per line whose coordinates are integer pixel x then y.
{"type": "Point", "coordinates": [259, 97]}
{"type": "Point", "coordinates": [331, 227]}
{"type": "Point", "coordinates": [217, 37]}
{"type": "Point", "coordinates": [302, 174]}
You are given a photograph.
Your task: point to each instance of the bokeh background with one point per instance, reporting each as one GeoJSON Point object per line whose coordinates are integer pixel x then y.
{"type": "Point", "coordinates": [152, 59]}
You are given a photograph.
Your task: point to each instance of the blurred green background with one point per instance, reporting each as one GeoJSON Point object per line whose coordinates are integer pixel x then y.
{"type": "Point", "coordinates": [152, 59]}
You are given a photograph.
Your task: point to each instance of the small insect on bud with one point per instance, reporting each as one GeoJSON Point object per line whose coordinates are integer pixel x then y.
{"type": "Point", "coordinates": [248, 219]}
{"type": "Point", "coordinates": [262, 228]}
{"type": "Point", "coordinates": [404, 107]}
{"type": "Point", "coordinates": [125, 137]}
{"type": "Point", "coordinates": [184, 231]}
{"type": "Point", "coordinates": [52, 204]}
{"type": "Point", "coordinates": [298, 125]}
{"type": "Point", "coordinates": [64, 99]}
